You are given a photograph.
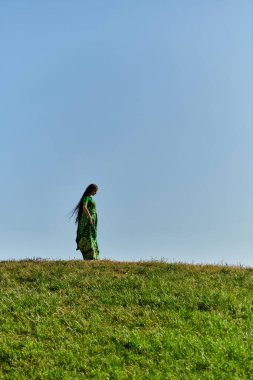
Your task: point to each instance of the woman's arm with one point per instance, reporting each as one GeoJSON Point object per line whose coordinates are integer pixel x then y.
{"type": "Point", "coordinates": [85, 209]}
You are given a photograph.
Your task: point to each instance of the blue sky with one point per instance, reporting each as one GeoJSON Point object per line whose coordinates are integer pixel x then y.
{"type": "Point", "coordinates": [152, 101]}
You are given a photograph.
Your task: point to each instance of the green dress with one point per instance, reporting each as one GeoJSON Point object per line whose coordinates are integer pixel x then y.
{"type": "Point", "coordinates": [86, 237]}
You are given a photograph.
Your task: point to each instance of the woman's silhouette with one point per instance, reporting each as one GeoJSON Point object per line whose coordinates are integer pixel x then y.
{"type": "Point", "coordinates": [86, 220]}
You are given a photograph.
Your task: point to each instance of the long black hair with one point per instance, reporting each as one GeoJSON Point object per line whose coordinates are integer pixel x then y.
{"type": "Point", "coordinates": [78, 210]}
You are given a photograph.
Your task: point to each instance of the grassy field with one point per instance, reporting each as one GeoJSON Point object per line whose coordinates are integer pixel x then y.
{"type": "Point", "coordinates": [111, 320]}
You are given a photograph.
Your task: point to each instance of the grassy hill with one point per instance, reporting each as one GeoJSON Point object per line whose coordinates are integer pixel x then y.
{"type": "Point", "coordinates": [111, 320]}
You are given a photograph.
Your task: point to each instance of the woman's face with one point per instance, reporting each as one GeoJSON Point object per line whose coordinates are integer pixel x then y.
{"type": "Point", "coordinates": [94, 191]}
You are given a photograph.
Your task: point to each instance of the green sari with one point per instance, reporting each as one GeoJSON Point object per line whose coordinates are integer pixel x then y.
{"type": "Point", "coordinates": [86, 237]}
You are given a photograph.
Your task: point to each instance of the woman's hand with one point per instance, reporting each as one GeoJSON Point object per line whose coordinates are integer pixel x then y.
{"type": "Point", "coordinates": [88, 214]}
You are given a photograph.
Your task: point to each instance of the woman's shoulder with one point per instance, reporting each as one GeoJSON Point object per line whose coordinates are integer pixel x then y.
{"type": "Point", "coordinates": [86, 198]}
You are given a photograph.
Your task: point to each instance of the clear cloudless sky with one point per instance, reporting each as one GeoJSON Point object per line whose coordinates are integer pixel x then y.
{"type": "Point", "coordinates": [152, 101]}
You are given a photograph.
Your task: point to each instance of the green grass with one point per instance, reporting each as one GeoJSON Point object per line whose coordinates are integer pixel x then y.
{"type": "Point", "coordinates": [111, 320]}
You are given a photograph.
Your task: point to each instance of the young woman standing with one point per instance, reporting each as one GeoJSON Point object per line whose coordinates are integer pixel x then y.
{"type": "Point", "coordinates": [86, 220]}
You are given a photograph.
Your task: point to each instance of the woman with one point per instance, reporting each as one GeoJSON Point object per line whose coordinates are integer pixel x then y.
{"type": "Point", "coordinates": [86, 219]}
